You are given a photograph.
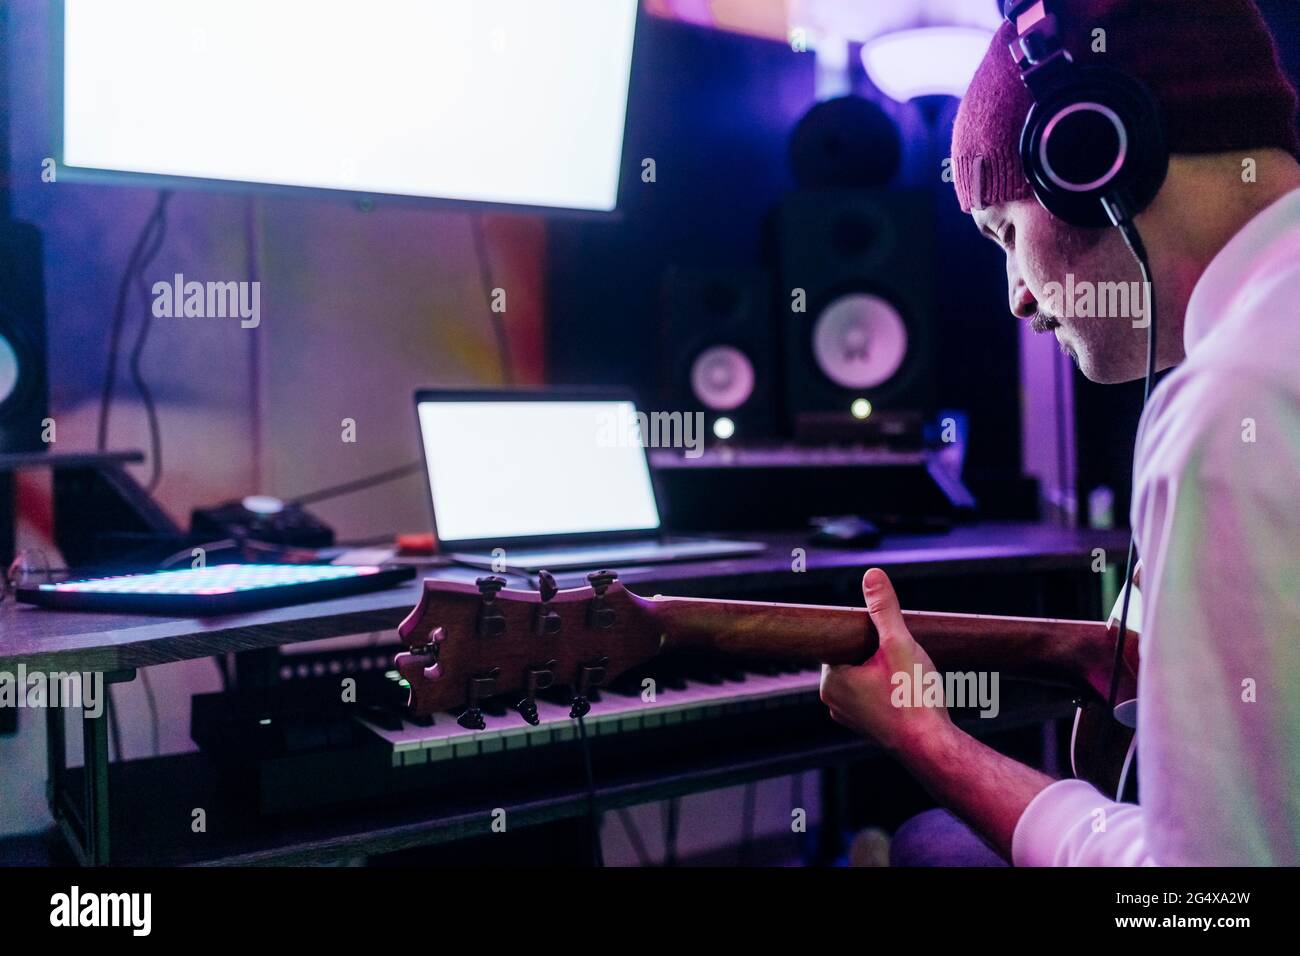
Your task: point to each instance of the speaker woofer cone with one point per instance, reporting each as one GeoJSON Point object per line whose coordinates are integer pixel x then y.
{"type": "Point", "coordinates": [722, 378]}
{"type": "Point", "coordinates": [859, 341]}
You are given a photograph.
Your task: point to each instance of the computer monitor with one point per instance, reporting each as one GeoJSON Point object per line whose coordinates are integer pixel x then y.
{"type": "Point", "coordinates": [511, 468]}
{"type": "Point", "coordinates": [507, 102]}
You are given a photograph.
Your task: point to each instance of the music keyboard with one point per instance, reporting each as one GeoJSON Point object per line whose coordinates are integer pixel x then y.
{"type": "Point", "coordinates": [295, 745]}
{"type": "Point", "coordinates": [680, 697]}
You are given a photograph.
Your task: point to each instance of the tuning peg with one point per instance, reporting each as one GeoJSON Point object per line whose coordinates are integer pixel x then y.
{"type": "Point", "coordinates": [436, 637]}
{"type": "Point", "coordinates": [546, 621]}
{"type": "Point", "coordinates": [482, 686]}
{"type": "Point", "coordinates": [601, 580]}
{"type": "Point", "coordinates": [422, 662]}
{"type": "Point", "coordinates": [489, 585]}
{"type": "Point", "coordinates": [537, 678]}
{"type": "Point", "coordinates": [600, 616]}
{"type": "Point", "coordinates": [590, 677]}
{"type": "Point", "coordinates": [472, 719]}
{"type": "Point", "coordinates": [491, 622]}
{"type": "Point", "coordinates": [528, 711]}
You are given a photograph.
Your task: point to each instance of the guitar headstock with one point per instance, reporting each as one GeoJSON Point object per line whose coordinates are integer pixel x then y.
{"type": "Point", "coordinates": [466, 642]}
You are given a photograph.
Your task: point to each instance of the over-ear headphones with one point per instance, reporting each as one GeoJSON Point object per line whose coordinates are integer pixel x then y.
{"type": "Point", "coordinates": [1094, 150]}
{"type": "Point", "coordinates": [1093, 145]}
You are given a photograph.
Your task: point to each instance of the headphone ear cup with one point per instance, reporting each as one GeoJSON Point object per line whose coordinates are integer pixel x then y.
{"type": "Point", "coordinates": [1102, 135]}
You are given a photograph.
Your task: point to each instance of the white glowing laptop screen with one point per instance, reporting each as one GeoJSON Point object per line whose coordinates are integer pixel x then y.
{"type": "Point", "coordinates": [519, 469]}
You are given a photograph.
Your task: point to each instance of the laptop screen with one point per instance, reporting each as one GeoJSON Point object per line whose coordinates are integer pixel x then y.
{"type": "Point", "coordinates": [518, 469]}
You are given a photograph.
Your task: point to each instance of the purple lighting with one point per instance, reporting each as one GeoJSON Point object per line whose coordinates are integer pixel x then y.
{"type": "Point", "coordinates": [926, 61]}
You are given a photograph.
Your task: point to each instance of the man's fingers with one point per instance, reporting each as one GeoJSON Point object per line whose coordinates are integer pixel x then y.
{"type": "Point", "coordinates": [829, 680]}
{"type": "Point", "coordinates": [882, 605]}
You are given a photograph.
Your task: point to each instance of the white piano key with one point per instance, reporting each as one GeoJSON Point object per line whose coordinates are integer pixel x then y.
{"type": "Point", "coordinates": [612, 714]}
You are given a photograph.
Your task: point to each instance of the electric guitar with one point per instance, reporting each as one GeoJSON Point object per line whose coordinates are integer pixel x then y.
{"type": "Point", "coordinates": [468, 642]}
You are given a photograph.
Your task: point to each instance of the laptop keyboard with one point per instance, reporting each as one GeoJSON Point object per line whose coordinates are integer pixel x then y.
{"type": "Point", "coordinates": [627, 552]}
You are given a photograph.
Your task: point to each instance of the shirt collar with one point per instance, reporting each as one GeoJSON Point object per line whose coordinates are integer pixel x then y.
{"type": "Point", "coordinates": [1272, 233]}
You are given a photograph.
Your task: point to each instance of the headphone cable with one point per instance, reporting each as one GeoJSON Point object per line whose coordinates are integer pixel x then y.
{"type": "Point", "coordinates": [1133, 239]}
{"type": "Point", "coordinates": [593, 813]}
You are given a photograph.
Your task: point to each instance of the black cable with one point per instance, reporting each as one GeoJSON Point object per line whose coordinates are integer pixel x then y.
{"type": "Point", "coordinates": [1123, 221]}
{"type": "Point", "coordinates": [142, 337]}
{"type": "Point", "coordinates": [114, 728]}
{"type": "Point", "coordinates": [485, 276]}
{"type": "Point", "coordinates": [222, 545]}
{"type": "Point", "coordinates": [359, 484]}
{"type": "Point", "coordinates": [1133, 238]}
{"type": "Point", "coordinates": [634, 836]}
{"type": "Point", "coordinates": [672, 818]}
{"type": "Point", "coordinates": [153, 711]}
{"type": "Point", "coordinates": [284, 553]}
{"type": "Point", "coordinates": [223, 670]}
{"type": "Point", "coordinates": [593, 816]}
{"type": "Point", "coordinates": [1128, 229]}
{"type": "Point", "coordinates": [115, 328]}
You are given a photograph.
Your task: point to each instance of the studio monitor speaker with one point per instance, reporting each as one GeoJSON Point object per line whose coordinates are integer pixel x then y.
{"type": "Point", "coordinates": [856, 300]}
{"type": "Point", "coordinates": [24, 386]}
{"type": "Point", "coordinates": [717, 349]}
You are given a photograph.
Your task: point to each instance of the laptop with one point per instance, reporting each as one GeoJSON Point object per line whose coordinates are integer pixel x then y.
{"type": "Point", "coordinates": [554, 480]}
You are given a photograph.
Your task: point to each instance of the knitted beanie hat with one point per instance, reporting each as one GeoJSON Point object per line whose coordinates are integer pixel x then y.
{"type": "Point", "coordinates": [1211, 65]}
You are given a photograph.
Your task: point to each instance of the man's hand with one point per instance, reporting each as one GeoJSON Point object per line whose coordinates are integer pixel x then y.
{"type": "Point", "coordinates": [861, 697]}
{"type": "Point", "coordinates": [984, 788]}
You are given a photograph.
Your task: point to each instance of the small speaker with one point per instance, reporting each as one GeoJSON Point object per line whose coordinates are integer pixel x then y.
{"type": "Point", "coordinates": [845, 142]}
{"type": "Point", "coordinates": [717, 349]}
{"type": "Point", "coordinates": [24, 385]}
{"type": "Point", "coordinates": [856, 301]}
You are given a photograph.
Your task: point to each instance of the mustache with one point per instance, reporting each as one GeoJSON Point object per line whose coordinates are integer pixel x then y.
{"type": "Point", "coordinates": [1042, 322]}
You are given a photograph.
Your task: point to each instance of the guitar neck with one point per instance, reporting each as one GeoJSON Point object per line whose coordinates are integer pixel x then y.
{"type": "Point", "coordinates": [1071, 652]}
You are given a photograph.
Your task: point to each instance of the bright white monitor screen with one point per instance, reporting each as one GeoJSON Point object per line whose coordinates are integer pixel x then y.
{"type": "Point", "coordinates": [501, 470]}
{"type": "Point", "coordinates": [505, 101]}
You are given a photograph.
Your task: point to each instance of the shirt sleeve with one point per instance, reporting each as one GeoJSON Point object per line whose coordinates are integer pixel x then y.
{"type": "Point", "coordinates": [1071, 824]}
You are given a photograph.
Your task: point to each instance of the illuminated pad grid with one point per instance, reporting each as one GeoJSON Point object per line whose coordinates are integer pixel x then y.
{"type": "Point", "coordinates": [218, 579]}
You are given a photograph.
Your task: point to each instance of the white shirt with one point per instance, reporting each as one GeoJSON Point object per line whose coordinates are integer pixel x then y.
{"type": "Point", "coordinates": [1216, 514]}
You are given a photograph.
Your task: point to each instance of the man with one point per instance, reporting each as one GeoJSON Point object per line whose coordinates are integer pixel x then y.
{"type": "Point", "coordinates": [1216, 506]}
